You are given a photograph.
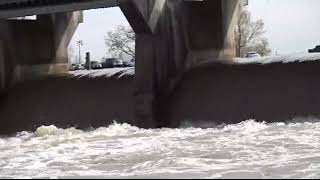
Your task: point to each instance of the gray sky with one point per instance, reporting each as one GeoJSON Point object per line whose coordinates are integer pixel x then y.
{"type": "Point", "coordinates": [292, 26]}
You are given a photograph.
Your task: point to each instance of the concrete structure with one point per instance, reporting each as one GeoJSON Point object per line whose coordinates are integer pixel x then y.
{"type": "Point", "coordinates": [20, 8]}
{"type": "Point", "coordinates": [276, 90]}
{"type": "Point", "coordinates": [172, 37]}
{"type": "Point", "coordinates": [37, 48]}
{"type": "Point", "coordinates": [182, 74]}
{"type": "Point", "coordinates": [183, 40]}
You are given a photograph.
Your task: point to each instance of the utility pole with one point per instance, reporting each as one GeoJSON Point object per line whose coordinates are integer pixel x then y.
{"type": "Point", "coordinates": [80, 43]}
{"type": "Point", "coordinates": [88, 62]}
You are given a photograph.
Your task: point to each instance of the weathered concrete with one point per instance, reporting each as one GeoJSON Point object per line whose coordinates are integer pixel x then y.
{"type": "Point", "coordinates": [37, 48]}
{"type": "Point", "coordinates": [21, 8]}
{"type": "Point", "coordinates": [67, 102]}
{"type": "Point", "coordinates": [276, 92]}
{"type": "Point", "coordinates": [209, 94]}
{"type": "Point", "coordinates": [172, 37]}
{"type": "Point", "coordinates": [143, 15]}
{"type": "Point", "coordinates": [178, 78]}
{"type": "Point", "coordinates": [183, 39]}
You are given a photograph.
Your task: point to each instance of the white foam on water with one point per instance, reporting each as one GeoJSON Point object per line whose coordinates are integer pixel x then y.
{"type": "Point", "coordinates": [246, 150]}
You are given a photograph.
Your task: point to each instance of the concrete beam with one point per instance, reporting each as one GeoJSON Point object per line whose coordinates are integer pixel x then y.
{"type": "Point", "coordinates": [56, 8]}
{"type": "Point", "coordinates": [12, 1]}
{"type": "Point", "coordinates": [155, 14]}
{"type": "Point", "coordinates": [134, 12]}
{"type": "Point", "coordinates": [143, 15]}
{"type": "Point", "coordinates": [39, 71]}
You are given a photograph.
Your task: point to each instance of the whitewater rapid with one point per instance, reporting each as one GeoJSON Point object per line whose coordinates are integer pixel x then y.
{"type": "Point", "coordinates": [246, 150]}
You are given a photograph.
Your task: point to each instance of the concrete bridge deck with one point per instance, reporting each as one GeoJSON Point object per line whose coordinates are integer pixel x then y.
{"type": "Point", "coordinates": [20, 8]}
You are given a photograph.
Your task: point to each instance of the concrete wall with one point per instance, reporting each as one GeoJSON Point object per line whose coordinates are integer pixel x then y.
{"type": "Point", "coordinates": [32, 41]}
{"type": "Point", "coordinates": [207, 95]}
{"type": "Point", "coordinates": [67, 102]}
{"type": "Point", "coordinates": [218, 93]}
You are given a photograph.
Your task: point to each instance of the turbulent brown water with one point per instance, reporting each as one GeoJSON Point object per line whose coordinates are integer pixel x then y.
{"type": "Point", "coordinates": [246, 150]}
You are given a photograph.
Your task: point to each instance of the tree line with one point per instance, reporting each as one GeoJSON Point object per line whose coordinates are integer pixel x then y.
{"type": "Point", "coordinates": [249, 36]}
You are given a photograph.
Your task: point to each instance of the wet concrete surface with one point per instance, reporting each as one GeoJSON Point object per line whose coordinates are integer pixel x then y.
{"type": "Point", "coordinates": [67, 102]}
{"type": "Point", "coordinates": [211, 94]}
{"type": "Point", "coordinates": [273, 92]}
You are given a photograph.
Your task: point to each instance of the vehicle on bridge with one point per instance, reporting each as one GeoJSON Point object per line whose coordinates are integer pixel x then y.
{"type": "Point", "coordinates": [112, 62]}
{"type": "Point", "coordinates": [315, 50]}
{"type": "Point", "coordinates": [75, 67]}
{"type": "Point", "coordinates": [252, 55]}
{"type": "Point", "coordinates": [118, 63]}
{"type": "Point", "coordinates": [130, 63]}
{"type": "Point", "coordinates": [96, 65]}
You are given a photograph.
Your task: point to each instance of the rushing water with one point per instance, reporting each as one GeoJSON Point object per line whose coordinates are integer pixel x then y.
{"type": "Point", "coordinates": [246, 150]}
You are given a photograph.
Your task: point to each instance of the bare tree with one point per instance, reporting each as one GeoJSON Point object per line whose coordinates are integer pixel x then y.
{"type": "Point", "coordinates": [249, 35]}
{"type": "Point", "coordinates": [121, 40]}
{"type": "Point", "coordinates": [261, 47]}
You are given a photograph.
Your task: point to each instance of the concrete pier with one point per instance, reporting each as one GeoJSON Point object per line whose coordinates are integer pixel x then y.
{"type": "Point", "coordinates": [188, 34]}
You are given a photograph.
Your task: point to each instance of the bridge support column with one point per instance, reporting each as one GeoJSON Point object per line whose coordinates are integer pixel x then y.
{"type": "Point", "coordinates": [188, 34]}
{"type": "Point", "coordinates": [44, 44]}
{"type": "Point", "coordinates": [144, 95]}
{"type": "Point", "coordinates": [38, 48]}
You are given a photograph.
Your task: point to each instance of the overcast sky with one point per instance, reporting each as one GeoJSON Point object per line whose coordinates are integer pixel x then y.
{"type": "Point", "coordinates": [292, 26]}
